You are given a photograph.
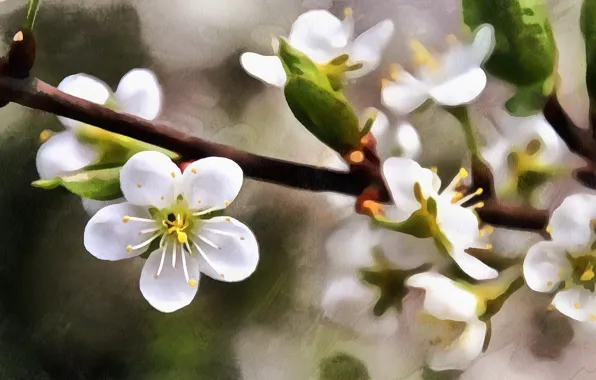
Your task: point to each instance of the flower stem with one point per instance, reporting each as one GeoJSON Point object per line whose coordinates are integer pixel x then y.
{"type": "Point", "coordinates": [461, 114]}
{"type": "Point", "coordinates": [32, 13]}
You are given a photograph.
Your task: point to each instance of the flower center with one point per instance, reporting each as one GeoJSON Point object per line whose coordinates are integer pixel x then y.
{"type": "Point", "coordinates": [175, 225]}
{"type": "Point", "coordinates": [583, 271]}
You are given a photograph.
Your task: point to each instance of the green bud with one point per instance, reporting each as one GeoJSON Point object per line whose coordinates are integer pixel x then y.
{"type": "Point", "coordinates": [588, 27]}
{"type": "Point", "coordinates": [317, 102]}
{"type": "Point", "coordinates": [342, 367]}
{"type": "Point", "coordinates": [98, 184]}
{"type": "Point", "coordinates": [524, 53]}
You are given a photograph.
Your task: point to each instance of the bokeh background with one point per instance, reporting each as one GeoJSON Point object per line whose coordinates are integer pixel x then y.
{"type": "Point", "coordinates": [66, 315]}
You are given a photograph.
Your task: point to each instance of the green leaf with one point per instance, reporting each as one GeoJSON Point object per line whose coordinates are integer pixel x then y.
{"type": "Point", "coordinates": [524, 53]}
{"type": "Point", "coordinates": [529, 100]}
{"type": "Point", "coordinates": [314, 101]}
{"type": "Point", "coordinates": [588, 27]}
{"type": "Point", "coordinates": [99, 184]}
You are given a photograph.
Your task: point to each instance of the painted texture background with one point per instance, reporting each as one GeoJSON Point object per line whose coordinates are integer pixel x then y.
{"type": "Point", "coordinates": [66, 315]}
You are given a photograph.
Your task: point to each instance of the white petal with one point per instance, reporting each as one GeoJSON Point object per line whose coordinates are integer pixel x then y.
{"type": "Point", "coordinates": [483, 44]}
{"type": "Point", "coordinates": [400, 175]}
{"type": "Point", "coordinates": [461, 352]}
{"type": "Point", "coordinates": [473, 267]}
{"type": "Point", "coordinates": [349, 302]}
{"type": "Point", "coordinates": [443, 298]}
{"type": "Point", "coordinates": [63, 153]}
{"type": "Point", "coordinates": [571, 221]}
{"type": "Point", "coordinates": [170, 291]}
{"type": "Point", "coordinates": [350, 246]}
{"type": "Point", "coordinates": [545, 266]}
{"type": "Point", "coordinates": [407, 252]}
{"type": "Point", "coordinates": [85, 87]}
{"type": "Point", "coordinates": [576, 303]}
{"type": "Point", "coordinates": [320, 35]}
{"type": "Point", "coordinates": [408, 140]}
{"type": "Point", "coordinates": [150, 179]}
{"type": "Point", "coordinates": [211, 182]}
{"type": "Point", "coordinates": [380, 126]}
{"type": "Point", "coordinates": [139, 94]}
{"type": "Point", "coordinates": [496, 156]}
{"type": "Point", "coordinates": [460, 90]}
{"type": "Point", "coordinates": [368, 47]}
{"type": "Point", "coordinates": [107, 236]}
{"type": "Point", "coordinates": [266, 68]}
{"type": "Point", "coordinates": [457, 223]}
{"type": "Point", "coordinates": [237, 253]}
{"type": "Point", "coordinates": [92, 206]}
{"type": "Point", "coordinates": [404, 95]}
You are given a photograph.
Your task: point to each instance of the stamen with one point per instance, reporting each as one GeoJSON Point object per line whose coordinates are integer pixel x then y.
{"type": "Point", "coordinates": [457, 197]}
{"type": "Point", "coordinates": [385, 83]}
{"type": "Point", "coordinates": [588, 274]}
{"type": "Point", "coordinates": [204, 255]}
{"type": "Point", "coordinates": [477, 205]}
{"type": "Point", "coordinates": [549, 230]}
{"type": "Point", "coordinates": [163, 259]}
{"type": "Point", "coordinates": [182, 237]}
{"type": "Point", "coordinates": [457, 179]}
{"type": "Point", "coordinates": [394, 71]}
{"type": "Point", "coordinates": [549, 283]}
{"type": "Point", "coordinates": [193, 170]}
{"type": "Point", "coordinates": [45, 135]}
{"type": "Point", "coordinates": [184, 265]}
{"type": "Point", "coordinates": [486, 230]}
{"type": "Point", "coordinates": [208, 242]}
{"type": "Point", "coordinates": [577, 305]}
{"type": "Point", "coordinates": [469, 196]}
{"type": "Point", "coordinates": [356, 157]}
{"type": "Point", "coordinates": [422, 56]}
{"type": "Point", "coordinates": [207, 211]}
{"type": "Point", "coordinates": [131, 248]}
{"type": "Point", "coordinates": [373, 207]}
{"type": "Point", "coordinates": [126, 219]}
{"type": "Point", "coordinates": [348, 12]}
{"type": "Point", "coordinates": [174, 257]}
{"type": "Point", "coordinates": [149, 230]}
{"type": "Point", "coordinates": [549, 307]}
{"type": "Point", "coordinates": [488, 247]}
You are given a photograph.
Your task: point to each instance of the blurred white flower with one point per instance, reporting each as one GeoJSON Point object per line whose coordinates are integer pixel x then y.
{"type": "Point", "coordinates": [163, 203]}
{"type": "Point", "coordinates": [454, 79]}
{"type": "Point", "coordinates": [322, 37]}
{"type": "Point", "coordinates": [565, 264]}
{"type": "Point", "coordinates": [527, 154]}
{"type": "Point", "coordinates": [138, 93]}
{"type": "Point", "coordinates": [422, 211]}
{"type": "Point", "coordinates": [450, 321]}
{"type": "Point", "coordinates": [399, 140]}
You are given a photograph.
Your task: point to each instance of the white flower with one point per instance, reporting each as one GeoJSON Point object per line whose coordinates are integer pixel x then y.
{"type": "Point", "coordinates": [450, 320]}
{"type": "Point", "coordinates": [399, 140]}
{"type": "Point", "coordinates": [455, 79]}
{"type": "Point", "coordinates": [170, 207]}
{"type": "Point", "coordinates": [419, 204]}
{"type": "Point", "coordinates": [566, 263]}
{"type": "Point", "coordinates": [527, 153]}
{"type": "Point", "coordinates": [323, 37]}
{"type": "Point", "coordinates": [138, 94]}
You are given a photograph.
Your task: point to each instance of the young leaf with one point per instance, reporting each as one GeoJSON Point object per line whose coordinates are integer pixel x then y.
{"type": "Point", "coordinates": [98, 184]}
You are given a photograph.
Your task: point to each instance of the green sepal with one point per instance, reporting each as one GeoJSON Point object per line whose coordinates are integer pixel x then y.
{"type": "Point", "coordinates": [98, 184]}
{"type": "Point", "coordinates": [529, 100]}
{"type": "Point", "coordinates": [317, 102]}
{"type": "Point", "coordinates": [524, 53]}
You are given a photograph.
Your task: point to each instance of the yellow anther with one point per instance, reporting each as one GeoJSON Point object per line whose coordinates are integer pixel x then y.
{"type": "Point", "coordinates": [125, 219]}
{"type": "Point", "coordinates": [549, 230]}
{"type": "Point", "coordinates": [385, 83]}
{"type": "Point", "coordinates": [173, 174]}
{"type": "Point", "coordinates": [192, 282]}
{"type": "Point", "coordinates": [457, 197]}
{"type": "Point", "coordinates": [450, 38]}
{"type": "Point", "coordinates": [18, 37]}
{"type": "Point", "coordinates": [139, 185]}
{"type": "Point", "coordinates": [463, 173]}
{"type": "Point", "coordinates": [422, 56]}
{"type": "Point", "coordinates": [356, 157]}
{"type": "Point", "coordinates": [228, 220]}
{"type": "Point", "coordinates": [199, 201]}
{"type": "Point", "coordinates": [479, 191]}
{"type": "Point", "coordinates": [577, 305]}
{"type": "Point", "coordinates": [488, 247]}
{"type": "Point", "coordinates": [394, 71]}
{"type": "Point", "coordinates": [45, 135]}
{"type": "Point", "coordinates": [241, 237]}
{"type": "Point", "coordinates": [193, 170]}
{"type": "Point", "coordinates": [486, 230]}
{"type": "Point", "coordinates": [372, 207]}
{"type": "Point", "coordinates": [226, 203]}
{"type": "Point", "coordinates": [549, 308]}
{"type": "Point", "coordinates": [348, 12]}
{"type": "Point", "coordinates": [182, 237]}
{"type": "Point", "coordinates": [222, 275]}
{"type": "Point", "coordinates": [434, 169]}
{"type": "Point", "coordinates": [550, 283]}
{"type": "Point", "coordinates": [129, 248]}
{"type": "Point", "coordinates": [588, 274]}
{"type": "Point", "coordinates": [592, 317]}
{"type": "Point", "coordinates": [478, 205]}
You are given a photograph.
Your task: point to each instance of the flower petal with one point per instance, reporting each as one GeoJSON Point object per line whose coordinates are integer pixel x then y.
{"type": "Point", "coordinates": [349, 302]}
{"type": "Point", "coordinates": [170, 291]}
{"type": "Point", "coordinates": [571, 222]}
{"type": "Point", "coordinates": [320, 35]}
{"type": "Point", "coordinates": [368, 47]}
{"type": "Point", "coordinates": [483, 44]}
{"type": "Point", "coordinates": [63, 153]}
{"type": "Point", "coordinates": [85, 87]}
{"type": "Point", "coordinates": [350, 246]}
{"type": "Point", "coordinates": [107, 236]}
{"type": "Point", "coordinates": [139, 94]}
{"type": "Point", "coordinates": [266, 68]}
{"type": "Point", "coordinates": [545, 266]}
{"type": "Point", "coordinates": [575, 303]}
{"type": "Point", "coordinates": [92, 206]}
{"type": "Point", "coordinates": [461, 89]}
{"type": "Point", "coordinates": [406, 251]}
{"type": "Point", "coordinates": [150, 179]}
{"type": "Point", "coordinates": [404, 95]}
{"type": "Point", "coordinates": [400, 175]}
{"type": "Point", "coordinates": [408, 140]}
{"type": "Point", "coordinates": [212, 182]}
{"type": "Point", "coordinates": [472, 266]}
{"type": "Point", "coordinates": [457, 223]}
{"type": "Point", "coordinates": [237, 253]}
{"type": "Point", "coordinates": [444, 299]}
{"type": "Point", "coordinates": [496, 156]}
{"type": "Point", "coordinates": [462, 351]}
